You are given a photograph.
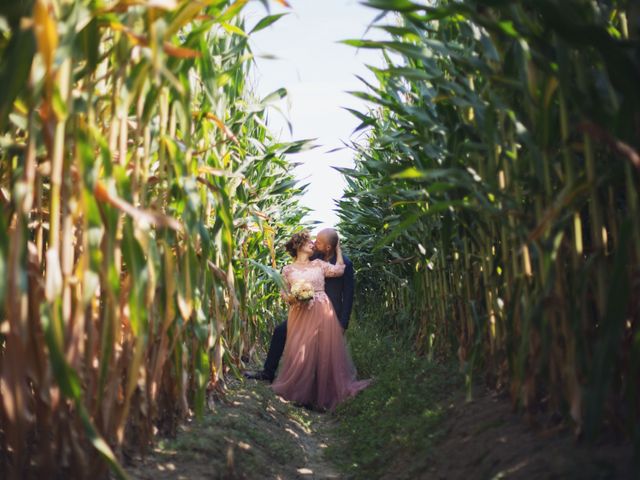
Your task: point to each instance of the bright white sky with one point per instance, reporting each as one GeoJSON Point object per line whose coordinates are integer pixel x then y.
{"type": "Point", "coordinates": [317, 71]}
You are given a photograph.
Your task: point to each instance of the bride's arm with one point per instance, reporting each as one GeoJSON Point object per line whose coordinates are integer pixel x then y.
{"type": "Point", "coordinates": [339, 259]}
{"type": "Point", "coordinates": [286, 294]}
{"type": "Point", "coordinates": [336, 270]}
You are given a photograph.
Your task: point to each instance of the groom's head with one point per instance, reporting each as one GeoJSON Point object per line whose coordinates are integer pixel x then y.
{"type": "Point", "coordinates": [326, 241]}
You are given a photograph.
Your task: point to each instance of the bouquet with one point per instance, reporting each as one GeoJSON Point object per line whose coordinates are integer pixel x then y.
{"type": "Point", "coordinates": [302, 291]}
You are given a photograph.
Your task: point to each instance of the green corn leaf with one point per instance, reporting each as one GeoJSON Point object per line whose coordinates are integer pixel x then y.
{"type": "Point", "coordinates": [266, 22]}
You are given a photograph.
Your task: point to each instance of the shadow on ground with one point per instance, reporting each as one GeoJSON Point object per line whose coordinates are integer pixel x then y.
{"type": "Point", "coordinates": [484, 439]}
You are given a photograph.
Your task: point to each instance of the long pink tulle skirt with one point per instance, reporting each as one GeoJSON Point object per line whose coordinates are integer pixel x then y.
{"type": "Point", "coordinates": [317, 369]}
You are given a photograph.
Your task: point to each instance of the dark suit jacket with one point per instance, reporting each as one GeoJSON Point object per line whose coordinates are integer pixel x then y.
{"type": "Point", "coordinates": [340, 290]}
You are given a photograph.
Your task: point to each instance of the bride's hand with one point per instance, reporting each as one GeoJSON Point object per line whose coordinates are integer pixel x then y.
{"type": "Point", "coordinates": [287, 297]}
{"type": "Point", "coordinates": [339, 257]}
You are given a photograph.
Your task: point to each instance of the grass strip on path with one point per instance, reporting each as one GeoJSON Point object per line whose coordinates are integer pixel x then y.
{"type": "Point", "coordinates": [398, 416]}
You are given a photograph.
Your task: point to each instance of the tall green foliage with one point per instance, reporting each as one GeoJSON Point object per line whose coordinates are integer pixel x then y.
{"type": "Point", "coordinates": [138, 180]}
{"type": "Point", "coordinates": [495, 200]}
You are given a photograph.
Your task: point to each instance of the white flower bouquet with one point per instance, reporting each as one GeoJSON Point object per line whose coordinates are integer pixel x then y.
{"type": "Point", "coordinates": [302, 291]}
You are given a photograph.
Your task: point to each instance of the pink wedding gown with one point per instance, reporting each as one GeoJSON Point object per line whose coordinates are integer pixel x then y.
{"type": "Point", "coordinates": [317, 369]}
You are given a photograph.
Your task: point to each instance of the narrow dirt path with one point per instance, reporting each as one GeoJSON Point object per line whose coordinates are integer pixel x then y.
{"type": "Point", "coordinates": [251, 434]}
{"type": "Point", "coordinates": [315, 442]}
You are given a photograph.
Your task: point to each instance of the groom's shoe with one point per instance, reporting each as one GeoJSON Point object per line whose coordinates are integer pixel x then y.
{"type": "Point", "coordinates": [259, 375]}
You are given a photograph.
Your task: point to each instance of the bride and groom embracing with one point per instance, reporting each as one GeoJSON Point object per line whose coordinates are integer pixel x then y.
{"type": "Point", "coordinates": [317, 370]}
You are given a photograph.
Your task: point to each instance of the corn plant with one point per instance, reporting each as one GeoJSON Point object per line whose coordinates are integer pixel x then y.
{"type": "Point", "coordinates": [138, 180]}
{"type": "Point", "coordinates": [495, 200]}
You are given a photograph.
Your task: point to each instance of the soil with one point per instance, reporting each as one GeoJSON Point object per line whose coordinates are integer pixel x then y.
{"type": "Point", "coordinates": [485, 439]}
{"type": "Point", "coordinates": [254, 434]}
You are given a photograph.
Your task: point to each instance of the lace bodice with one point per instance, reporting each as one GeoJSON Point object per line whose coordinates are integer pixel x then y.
{"type": "Point", "coordinates": [314, 273]}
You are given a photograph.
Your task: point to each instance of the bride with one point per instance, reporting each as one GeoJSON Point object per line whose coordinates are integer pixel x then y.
{"type": "Point", "coordinates": [317, 370]}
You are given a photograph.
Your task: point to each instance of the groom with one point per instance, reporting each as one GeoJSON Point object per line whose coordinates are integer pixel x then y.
{"type": "Point", "coordinates": [338, 289]}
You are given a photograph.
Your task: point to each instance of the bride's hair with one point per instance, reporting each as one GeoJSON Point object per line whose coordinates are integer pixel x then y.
{"type": "Point", "coordinates": [296, 241]}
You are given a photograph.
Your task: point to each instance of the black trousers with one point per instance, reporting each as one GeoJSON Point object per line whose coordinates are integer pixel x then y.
{"type": "Point", "coordinates": [276, 348]}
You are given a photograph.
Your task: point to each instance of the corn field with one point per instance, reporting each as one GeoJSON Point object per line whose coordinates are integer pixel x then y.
{"type": "Point", "coordinates": [493, 209]}
{"type": "Point", "coordinates": [139, 190]}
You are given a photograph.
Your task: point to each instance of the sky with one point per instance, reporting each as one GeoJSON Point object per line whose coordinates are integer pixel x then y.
{"type": "Point", "coordinates": [317, 72]}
